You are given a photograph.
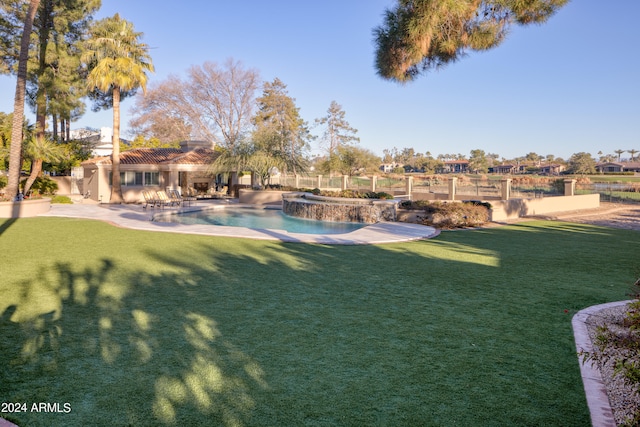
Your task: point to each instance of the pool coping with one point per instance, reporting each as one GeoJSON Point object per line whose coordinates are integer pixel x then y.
{"type": "Point", "coordinates": [138, 218]}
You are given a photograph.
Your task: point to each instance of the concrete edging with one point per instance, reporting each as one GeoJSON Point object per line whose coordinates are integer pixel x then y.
{"type": "Point", "coordinates": [25, 209]}
{"type": "Point", "coordinates": [594, 386]}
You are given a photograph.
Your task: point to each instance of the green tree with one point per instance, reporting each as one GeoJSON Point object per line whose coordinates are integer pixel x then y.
{"type": "Point", "coordinates": [350, 160]}
{"type": "Point", "coordinates": [582, 163]}
{"type": "Point", "coordinates": [422, 35]}
{"type": "Point", "coordinates": [142, 142]}
{"type": "Point", "coordinates": [619, 153]}
{"type": "Point", "coordinates": [279, 129]}
{"type": "Point", "coordinates": [633, 153]}
{"type": "Point", "coordinates": [40, 150]}
{"type": "Point", "coordinates": [338, 132]}
{"type": "Point", "coordinates": [429, 164]}
{"type": "Point", "coordinates": [533, 157]}
{"type": "Point", "coordinates": [478, 162]}
{"type": "Point", "coordinates": [118, 61]}
{"type": "Point", "coordinates": [389, 155]}
{"type": "Point", "coordinates": [5, 138]}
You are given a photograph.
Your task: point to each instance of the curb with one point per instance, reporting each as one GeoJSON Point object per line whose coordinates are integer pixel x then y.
{"type": "Point", "coordinates": [594, 387]}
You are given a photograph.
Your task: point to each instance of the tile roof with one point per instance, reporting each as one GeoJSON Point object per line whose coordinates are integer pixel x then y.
{"type": "Point", "coordinates": [160, 156]}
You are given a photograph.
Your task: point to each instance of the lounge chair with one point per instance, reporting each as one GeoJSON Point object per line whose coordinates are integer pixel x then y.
{"type": "Point", "coordinates": [166, 200]}
{"type": "Point", "coordinates": [175, 194]}
{"type": "Point", "coordinates": [149, 199]}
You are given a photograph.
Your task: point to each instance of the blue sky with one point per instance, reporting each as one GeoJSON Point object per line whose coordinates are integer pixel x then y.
{"type": "Point", "coordinates": [567, 86]}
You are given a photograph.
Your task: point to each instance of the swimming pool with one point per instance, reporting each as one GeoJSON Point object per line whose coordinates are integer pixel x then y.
{"type": "Point", "coordinates": [259, 219]}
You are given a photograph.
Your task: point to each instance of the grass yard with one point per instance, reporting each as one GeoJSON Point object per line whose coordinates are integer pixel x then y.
{"type": "Point", "coordinates": [151, 329]}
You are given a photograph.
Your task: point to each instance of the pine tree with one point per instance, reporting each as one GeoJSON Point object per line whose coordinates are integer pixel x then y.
{"type": "Point", "coordinates": [422, 35]}
{"type": "Point", "coordinates": [279, 129]}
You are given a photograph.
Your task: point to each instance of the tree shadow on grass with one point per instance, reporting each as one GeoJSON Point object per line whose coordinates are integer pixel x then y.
{"type": "Point", "coordinates": [123, 348]}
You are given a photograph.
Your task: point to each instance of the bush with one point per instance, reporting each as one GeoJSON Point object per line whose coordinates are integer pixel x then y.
{"type": "Point", "coordinates": [61, 200]}
{"type": "Point", "coordinates": [43, 185]}
{"type": "Point", "coordinates": [3, 181]}
{"type": "Point", "coordinates": [452, 214]}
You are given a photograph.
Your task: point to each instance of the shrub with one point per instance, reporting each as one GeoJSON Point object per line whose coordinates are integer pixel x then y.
{"type": "Point", "coordinates": [43, 185]}
{"type": "Point", "coordinates": [61, 200]}
{"type": "Point", "coordinates": [3, 181]}
{"type": "Point", "coordinates": [452, 214]}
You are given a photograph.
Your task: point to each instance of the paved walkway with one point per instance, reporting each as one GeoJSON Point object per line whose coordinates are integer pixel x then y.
{"type": "Point", "coordinates": [135, 217]}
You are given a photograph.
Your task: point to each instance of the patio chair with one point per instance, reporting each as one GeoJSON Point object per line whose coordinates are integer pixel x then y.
{"type": "Point", "coordinates": [184, 199]}
{"type": "Point", "coordinates": [149, 200]}
{"type": "Point", "coordinates": [163, 199]}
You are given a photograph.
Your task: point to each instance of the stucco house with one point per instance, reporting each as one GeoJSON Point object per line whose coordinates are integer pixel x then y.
{"type": "Point", "coordinates": [100, 142]}
{"type": "Point", "coordinates": [552, 169]}
{"type": "Point", "coordinates": [454, 166]}
{"type": "Point", "coordinates": [153, 169]}
{"type": "Point", "coordinates": [613, 167]}
{"type": "Point", "coordinates": [503, 169]}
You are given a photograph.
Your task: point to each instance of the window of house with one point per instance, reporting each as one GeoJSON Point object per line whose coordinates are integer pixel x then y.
{"type": "Point", "coordinates": [130, 178]}
{"type": "Point", "coordinates": [151, 178]}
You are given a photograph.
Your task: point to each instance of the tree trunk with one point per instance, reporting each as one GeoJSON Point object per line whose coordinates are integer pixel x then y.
{"type": "Point", "coordinates": [54, 127]}
{"type": "Point", "coordinates": [15, 155]}
{"type": "Point", "coordinates": [116, 186]}
{"type": "Point", "coordinates": [36, 169]}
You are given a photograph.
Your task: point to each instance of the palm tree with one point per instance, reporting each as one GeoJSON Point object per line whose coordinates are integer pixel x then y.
{"type": "Point", "coordinates": [118, 62]}
{"type": "Point", "coordinates": [619, 153]}
{"type": "Point", "coordinates": [632, 152]}
{"type": "Point", "coordinates": [40, 150]}
{"type": "Point", "coordinates": [15, 155]}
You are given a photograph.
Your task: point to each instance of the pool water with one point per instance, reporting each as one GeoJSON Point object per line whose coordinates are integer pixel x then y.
{"type": "Point", "coordinates": [261, 219]}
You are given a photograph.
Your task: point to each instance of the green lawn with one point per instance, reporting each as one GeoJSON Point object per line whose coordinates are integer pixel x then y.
{"type": "Point", "coordinates": [151, 329]}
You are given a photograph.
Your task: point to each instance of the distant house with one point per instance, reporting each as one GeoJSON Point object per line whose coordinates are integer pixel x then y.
{"type": "Point", "coordinates": [100, 142]}
{"type": "Point", "coordinates": [389, 167]}
{"type": "Point", "coordinates": [503, 169]}
{"type": "Point", "coordinates": [454, 166]}
{"type": "Point", "coordinates": [552, 169]}
{"type": "Point", "coordinates": [618, 167]}
{"type": "Point", "coordinates": [153, 169]}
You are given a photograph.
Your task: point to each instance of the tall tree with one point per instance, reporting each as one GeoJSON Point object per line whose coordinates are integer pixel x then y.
{"type": "Point", "coordinates": [118, 61]}
{"type": "Point", "coordinates": [478, 162]}
{"type": "Point", "coordinates": [352, 159]}
{"type": "Point", "coordinates": [619, 153]}
{"type": "Point", "coordinates": [421, 35]}
{"type": "Point", "coordinates": [279, 129]}
{"type": "Point", "coordinates": [582, 163]}
{"type": "Point", "coordinates": [214, 103]}
{"type": "Point", "coordinates": [163, 113]}
{"type": "Point", "coordinates": [633, 154]}
{"type": "Point", "coordinates": [15, 155]}
{"type": "Point", "coordinates": [337, 130]}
